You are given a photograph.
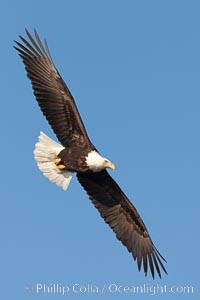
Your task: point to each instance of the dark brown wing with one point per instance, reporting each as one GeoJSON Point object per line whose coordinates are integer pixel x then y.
{"type": "Point", "coordinates": [123, 218]}
{"type": "Point", "coordinates": [51, 92]}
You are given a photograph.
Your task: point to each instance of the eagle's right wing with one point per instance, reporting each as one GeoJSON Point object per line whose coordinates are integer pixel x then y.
{"type": "Point", "coordinates": [123, 218]}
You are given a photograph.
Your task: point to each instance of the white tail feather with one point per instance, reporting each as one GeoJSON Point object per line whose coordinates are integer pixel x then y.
{"type": "Point", "coordinates": [45, 152]}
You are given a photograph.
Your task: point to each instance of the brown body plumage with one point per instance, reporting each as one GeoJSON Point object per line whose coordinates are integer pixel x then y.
{"type": "Point", "coordinates": [79, 155]}
{"type": "Point", "coordinates": [74, 158]}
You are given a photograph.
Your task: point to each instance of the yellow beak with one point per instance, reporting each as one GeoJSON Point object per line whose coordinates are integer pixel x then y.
{"type": "Point", "coordinates": [110, 165]}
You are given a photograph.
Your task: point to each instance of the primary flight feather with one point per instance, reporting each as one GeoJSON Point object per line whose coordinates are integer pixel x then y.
{"type": "Point", "coordinates": [77, 154]}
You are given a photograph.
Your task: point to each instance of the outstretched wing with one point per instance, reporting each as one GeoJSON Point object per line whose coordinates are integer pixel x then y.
{"type": "Point", "coordinates": [123, 218]}
{"type": "Point", "coordinates": [51, 92]}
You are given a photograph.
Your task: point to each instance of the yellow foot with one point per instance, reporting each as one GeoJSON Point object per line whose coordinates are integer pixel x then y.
{"type": "Point", "coordinates": [61, 167]}
{"type": "Point", "coordinates": [57, 160]}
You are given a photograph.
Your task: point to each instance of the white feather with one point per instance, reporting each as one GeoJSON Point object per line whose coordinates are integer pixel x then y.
{"type": "Point", "coordinates": [95, 161]}
{"type": "Point", "coordinates": [46, 150]}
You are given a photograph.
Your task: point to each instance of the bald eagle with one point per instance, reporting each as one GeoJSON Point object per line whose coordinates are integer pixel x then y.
{"type": "Point", "coordinates": [77, 154]}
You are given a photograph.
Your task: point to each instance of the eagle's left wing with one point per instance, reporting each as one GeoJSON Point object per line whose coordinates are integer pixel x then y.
{"type": "Point", "coordinates": [51, 92]}
{"type": "Point", "coordinates": [123, 218]}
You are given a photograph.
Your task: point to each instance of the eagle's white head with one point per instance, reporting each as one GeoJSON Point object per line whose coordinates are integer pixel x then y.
{"type": "Point", "coordinates": [97, 163]}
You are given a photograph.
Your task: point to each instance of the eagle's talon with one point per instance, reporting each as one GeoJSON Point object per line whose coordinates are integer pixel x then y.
{"type": "Point", "coordinates": [57, 160]}
{"type": "Point", "coordinates": [61, 167]}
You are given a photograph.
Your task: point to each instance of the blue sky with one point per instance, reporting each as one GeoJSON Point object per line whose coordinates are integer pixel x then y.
{"type": "Point", "coordinates": [134, 70]}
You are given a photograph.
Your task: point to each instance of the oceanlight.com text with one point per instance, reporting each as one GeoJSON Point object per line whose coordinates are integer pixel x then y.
{"type": "Point", "coordinates": [111, 288]}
